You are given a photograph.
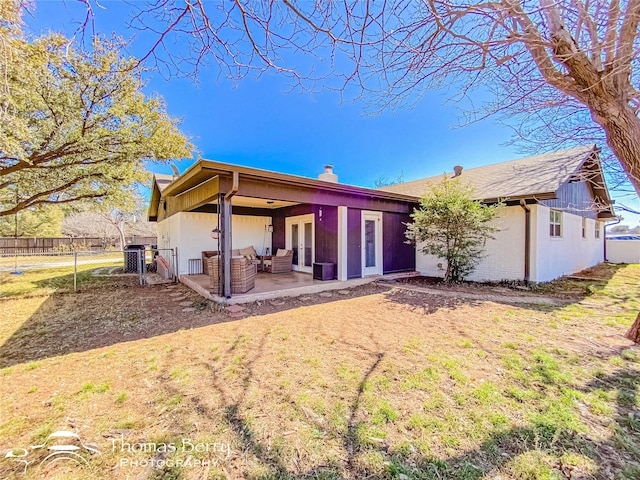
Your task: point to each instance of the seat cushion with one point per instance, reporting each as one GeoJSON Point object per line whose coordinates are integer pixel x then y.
{"type": "Point", "coordinates": [249, 252]}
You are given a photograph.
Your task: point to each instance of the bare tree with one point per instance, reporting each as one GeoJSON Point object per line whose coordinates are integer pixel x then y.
{"type": "Point", "coordinates": [88, 224]}
{"type": "Point", "coordinates": [563, 72]}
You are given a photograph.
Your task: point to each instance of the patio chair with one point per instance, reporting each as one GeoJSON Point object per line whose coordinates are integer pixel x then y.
{"type": "Point", "coordinates": [243, 274]}
{"type": "Point", "coordinates": [251, 255]}
{"type": "Point", "coordinates": [206, 254]}
{"type": "Point", "coordinates": [281, 262]}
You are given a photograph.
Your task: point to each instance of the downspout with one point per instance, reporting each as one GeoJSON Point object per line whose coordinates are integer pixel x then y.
{"type": "Point", "coordinates": [234, 186]}
{"type": "Point", "coordinates": [604, 240]}
{"type": "Point", "coordinates": [226, 235]}
{"type": "Point", "coordinates": [527, 239]}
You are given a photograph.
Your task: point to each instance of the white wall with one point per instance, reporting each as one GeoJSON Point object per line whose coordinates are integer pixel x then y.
{"type": "Point", "coordinates": [550, 257]}
{"type": "Point", "coordinates": [190, 232]}
{"type": "Point", "coordinates": [504, 256]}
{"type": "Point", "coordinates": [553, 257]}
{"type": "Point", "coordinates": [169, 233]}
{"type": "Point", "coordinates": [623, 251]}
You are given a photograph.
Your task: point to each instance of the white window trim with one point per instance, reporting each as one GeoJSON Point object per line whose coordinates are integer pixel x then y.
{"type": "Point", "coordinates": [559, 222]}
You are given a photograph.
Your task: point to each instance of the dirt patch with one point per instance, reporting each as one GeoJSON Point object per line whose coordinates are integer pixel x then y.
{"type": "Point", "coordinates": [571, 288]}
{"type": "Point", "coordinates": [75, 322]}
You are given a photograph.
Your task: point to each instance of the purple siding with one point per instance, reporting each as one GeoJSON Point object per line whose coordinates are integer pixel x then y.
{"type": "Point", "coordinates": [326, 229]}
{"type": "Point", "coordinates": [327, 234]}
{"type": "Point", "coordinates": [278, 237]}
{"type": "Point", "coordinates": [397, 255]}
{"type": "Point", "coordinates": [354, 241]}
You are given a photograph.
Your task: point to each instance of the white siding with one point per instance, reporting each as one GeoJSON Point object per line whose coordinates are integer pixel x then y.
{"type": "Point", "coordinates": [550, 257]}
{"type": "Point", "coordinates": [553, 257]}
{"type": "Point", "coordinates": [504, 256]}
{"type": "Point", "coordinates": [169, 233]}
{"type": "Point", "coordinates": [191, 233]}
{"type": "Point", "coordinates": [623, 251]}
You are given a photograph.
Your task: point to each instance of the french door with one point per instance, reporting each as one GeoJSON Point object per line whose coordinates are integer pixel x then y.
{"type": "Point", "coordinates": [371, 243]}
{"type": "Point", "coordinates": [301, 239]}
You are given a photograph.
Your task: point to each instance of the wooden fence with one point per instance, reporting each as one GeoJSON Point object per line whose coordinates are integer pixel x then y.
{"type": "Point", "coordinates": [19, 245]}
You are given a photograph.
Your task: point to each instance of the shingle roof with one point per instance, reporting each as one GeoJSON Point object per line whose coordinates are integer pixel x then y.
{"type": "Point", "coordinates": [516, 178]}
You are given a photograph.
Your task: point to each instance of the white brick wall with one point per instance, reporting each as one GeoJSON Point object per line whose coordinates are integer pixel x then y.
{"type": "Point", "coordinates": [553, 257]}
{"type": "Point", "coordinates": [550, 257]}
{"type": "Point", "coordinates": [191, 233]}
{"type": "Point", "coordinates": [504, 256]}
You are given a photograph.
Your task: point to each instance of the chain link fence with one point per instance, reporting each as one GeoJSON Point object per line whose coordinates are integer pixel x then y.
{"type": "Point", "coordinates": [25, 273]}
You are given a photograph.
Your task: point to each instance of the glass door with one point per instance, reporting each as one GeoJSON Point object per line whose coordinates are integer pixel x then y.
{"type": "Point", "coordinates": [300, 239]}
{"type": "Point", "coordinates": [371, 243]}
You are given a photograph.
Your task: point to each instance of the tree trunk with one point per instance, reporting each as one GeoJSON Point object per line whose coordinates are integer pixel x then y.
{"type": "Point", "coordinates": [623, 137]}
{"type": "Point", "coordinates": [634, 332]}
{"type": "Point", "coordinates": [622, 127]}
{"type": "Point", "coordinates": [120, 227]}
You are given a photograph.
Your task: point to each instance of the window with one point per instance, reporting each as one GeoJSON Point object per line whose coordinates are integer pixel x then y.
{"type": "Point", "coordinates": [584, 227]}
{"type": "Point", "coordinates": [597, 229]}
{"type": "Point", "coordinates": [555, 223]}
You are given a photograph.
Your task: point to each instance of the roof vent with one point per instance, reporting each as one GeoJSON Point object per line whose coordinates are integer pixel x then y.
{"type": "Point", "coordinates": [328, 175]}
{"type": "Point", "coordinates": [176, 172]}
{"type": "Point", "coordinates": [457, 171]}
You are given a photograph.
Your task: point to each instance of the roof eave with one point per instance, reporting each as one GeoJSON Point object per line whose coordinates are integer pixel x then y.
{"type": "Point", "coordinates": [534, 197]}
{"type": "Point", "coordinates": [222, 168]}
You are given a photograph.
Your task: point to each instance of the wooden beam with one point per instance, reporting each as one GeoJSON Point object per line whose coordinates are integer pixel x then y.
{"type": "Point", "coordinates": [193, 198]}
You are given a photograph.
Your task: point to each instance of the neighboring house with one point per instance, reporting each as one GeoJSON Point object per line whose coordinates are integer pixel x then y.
{"type": "Point", "coordinates": [552, 225]}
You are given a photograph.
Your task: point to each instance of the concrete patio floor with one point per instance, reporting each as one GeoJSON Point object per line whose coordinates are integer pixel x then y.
{"type": "Point", "coordinates": [269, 286]}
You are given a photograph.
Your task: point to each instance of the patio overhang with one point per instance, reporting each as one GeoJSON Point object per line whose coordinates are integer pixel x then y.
{"type": "Point", "coordinates": [195, 197]}
{"type": "Point", "coordinates": [203, 181]}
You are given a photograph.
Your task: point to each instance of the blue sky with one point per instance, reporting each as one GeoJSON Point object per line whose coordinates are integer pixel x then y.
{"type": "Point", "coordinates": [259, 123]}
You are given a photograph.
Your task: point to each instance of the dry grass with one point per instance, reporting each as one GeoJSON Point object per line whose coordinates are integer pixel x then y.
{"type": "Point", "coordinates": [382, 383]}
{"type": "Point", "coordinates": [53, 273]}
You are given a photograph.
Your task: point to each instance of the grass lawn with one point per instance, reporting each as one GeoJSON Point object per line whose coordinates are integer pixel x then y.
{"type": "Point", "coordinates": [380, 382]}
{"type": "Point", "coordinates": [47, 274]}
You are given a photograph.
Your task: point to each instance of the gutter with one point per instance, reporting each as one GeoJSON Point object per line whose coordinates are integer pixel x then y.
{"type": "Point", "coordinates": [527, 239]}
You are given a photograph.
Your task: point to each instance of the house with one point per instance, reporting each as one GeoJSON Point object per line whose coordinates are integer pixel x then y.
{"type": "Point", "coordinates": [222, 207]}
{"type": "Point", "coordinates": [552, 223]}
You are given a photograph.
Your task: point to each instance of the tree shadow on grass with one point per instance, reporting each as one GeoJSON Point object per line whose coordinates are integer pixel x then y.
{"type": "Point", "coordinates": [114, 311]}
{"type": "Point", "coordinates": [269, 455]}
{"type": "Point", "coordinates": [539, 449]}
{"type": "Point", "coordinates": [118, 310]}
{"type": "Point", "coordinates": [546, 445]}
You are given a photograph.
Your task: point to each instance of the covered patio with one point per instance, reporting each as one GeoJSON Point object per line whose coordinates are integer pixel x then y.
{"type": "Point", "coordinates": [270, 286]}
{"type": "Point", "coordinates": [236, 212]}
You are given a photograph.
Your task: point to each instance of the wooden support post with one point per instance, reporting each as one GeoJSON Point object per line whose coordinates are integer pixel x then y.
{"type": "Point", "coordinates": [225, 248]}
